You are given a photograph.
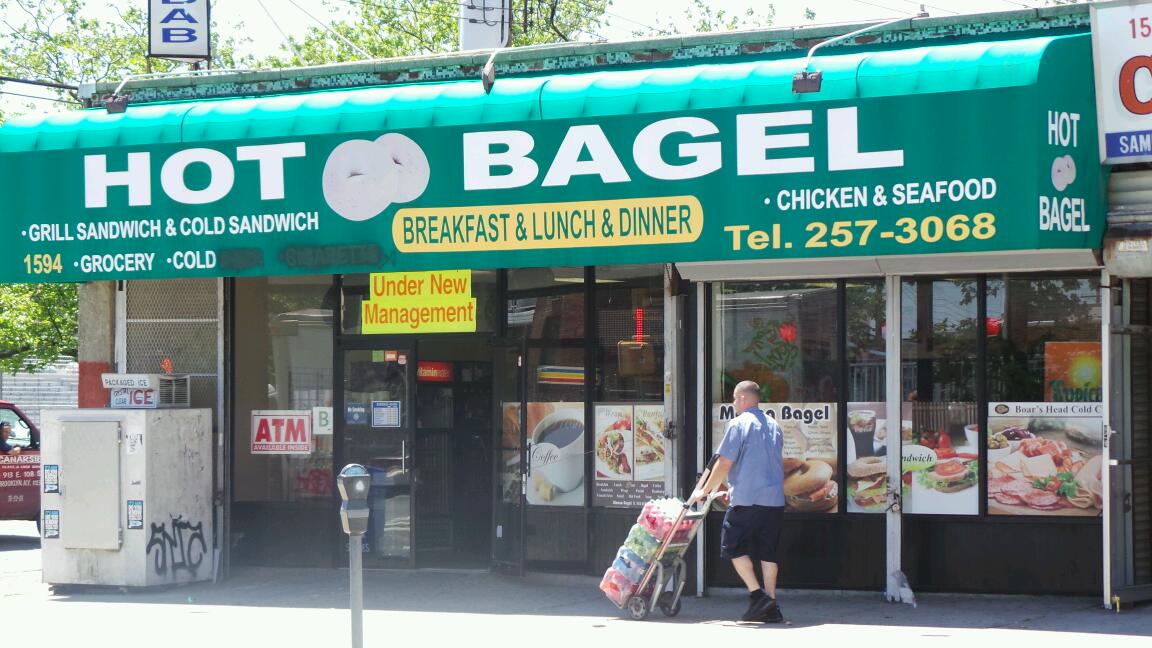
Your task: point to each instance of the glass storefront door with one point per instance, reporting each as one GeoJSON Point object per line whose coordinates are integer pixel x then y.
{"type": "Point", "coordinates": [378, 433]}
{"type": "Point", "coordinates": [508, 505]}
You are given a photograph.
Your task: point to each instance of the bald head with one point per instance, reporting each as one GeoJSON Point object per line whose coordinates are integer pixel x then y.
{"type": "Point", "coordinates": [746, 395]}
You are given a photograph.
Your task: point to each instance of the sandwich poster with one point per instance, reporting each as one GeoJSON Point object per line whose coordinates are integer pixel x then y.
{"type": "Point", "coordinates": [1045, 459]}
{"type": "Point", "coordinates": [940, 458]}
{"type": "Point", "coordinates": [811, 451]}
{"type": "Point", "coordinates": [867, 446]}
{"type": "Point", "coordinates": [630, 453]}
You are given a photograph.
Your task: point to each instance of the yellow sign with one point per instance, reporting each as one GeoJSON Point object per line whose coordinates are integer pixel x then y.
{"type": "Point", "coordinates": [597, 223]}
{"type": "Point", "coordinates": [419, 302]}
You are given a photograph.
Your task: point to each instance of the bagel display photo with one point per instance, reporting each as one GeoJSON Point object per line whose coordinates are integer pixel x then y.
{"type": "Point", "coordinates": [1045, 459]}
{"type": "Point", "coordinates": [867, 445]}
{"type": "Point", "coordinates": [811, 451]}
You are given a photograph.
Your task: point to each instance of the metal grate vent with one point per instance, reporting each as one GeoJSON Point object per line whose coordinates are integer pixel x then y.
{"type": "Point", "coordinates": [173, 327]}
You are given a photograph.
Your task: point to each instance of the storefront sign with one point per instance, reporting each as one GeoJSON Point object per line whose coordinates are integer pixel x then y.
{"type": "Point", "coordinates": [281, 432]}
{"type": "Point", "coordinates": [630, 454]}
{"type": "Point", "coordinates": [355, 414]}
{"type": "Point", "coordinates": [1007, 167]}
{"type": "Point", "coordinates": [133, 399]}
{"type": "Point", "coordinates": [419, 302]}
{"type": "Point", "coordinates": [386, 414]}
{"type": "Point", "coordinates": [1045, 458]}
{"type": "Point", "coordinates": [179, 29]}
{"type": "Point", "coordinates": [1122, 51]}
{"type": "Point", "coordinates": [810, 441]}
{"type": "Point", "coordinates": [322, 421]}
{"type": "Point", "coordinates": [428, 371]}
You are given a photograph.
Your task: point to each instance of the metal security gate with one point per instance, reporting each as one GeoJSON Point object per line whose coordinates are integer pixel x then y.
{"type": "Point", "coordinates": [1131, 450]}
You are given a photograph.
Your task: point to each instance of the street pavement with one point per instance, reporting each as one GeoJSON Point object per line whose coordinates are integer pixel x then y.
{"type": "Point", "coordinates": [281, 608]}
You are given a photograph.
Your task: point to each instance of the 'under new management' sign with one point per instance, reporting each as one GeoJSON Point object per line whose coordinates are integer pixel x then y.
{"type": "Point", "coordinates": [419, 302]}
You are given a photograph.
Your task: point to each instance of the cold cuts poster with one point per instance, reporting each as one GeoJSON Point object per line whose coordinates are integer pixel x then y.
{"type": "Point", "coordinates": [1045, 459]}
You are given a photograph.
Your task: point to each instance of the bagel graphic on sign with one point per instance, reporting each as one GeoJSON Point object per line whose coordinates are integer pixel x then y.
{"type": "Point", "coordinates": [363, 177]}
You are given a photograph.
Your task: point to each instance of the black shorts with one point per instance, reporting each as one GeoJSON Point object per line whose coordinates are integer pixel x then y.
{"type": "Point", "coordinates": [752, 531]}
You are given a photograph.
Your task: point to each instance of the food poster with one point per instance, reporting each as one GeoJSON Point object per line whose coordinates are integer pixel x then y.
{"type": "Point", "coordinates": [940, 458]}
{"type": "Point", "coordinates": [510, 452]}
{"type": "Point", "coordinates": [867, 447]}
{"type": "Point", "coordinates": [630, 452]}
{"type": "Point", "coordinates": [555, 453]}
{"type": "Point", "coordinates": [811, 451]}
{"type": "Point", "coordinates": [1072, 372]}
{"type": "Point", "coordinates": [1045, 459]}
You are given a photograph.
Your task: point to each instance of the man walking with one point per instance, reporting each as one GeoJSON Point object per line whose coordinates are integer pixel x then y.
{"type": "Point", "coordinates": [750, 459]}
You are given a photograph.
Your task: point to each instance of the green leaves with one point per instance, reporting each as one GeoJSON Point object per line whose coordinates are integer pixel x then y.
{"type": "Point", "coordinates": [37, 324]}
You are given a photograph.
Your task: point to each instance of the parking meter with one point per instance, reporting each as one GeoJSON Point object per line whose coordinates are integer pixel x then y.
{"type": "Point", "coordinates": [354, 482]}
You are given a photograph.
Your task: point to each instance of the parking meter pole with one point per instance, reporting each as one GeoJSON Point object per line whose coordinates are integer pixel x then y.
{"type": "Point", "coordinates": [356, 587]}
{"type": "Point", "coordinates": [354, 482]}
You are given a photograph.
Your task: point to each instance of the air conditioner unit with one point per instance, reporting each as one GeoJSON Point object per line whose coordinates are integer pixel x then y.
{"type": "Point", "coordinates": [147, 391]}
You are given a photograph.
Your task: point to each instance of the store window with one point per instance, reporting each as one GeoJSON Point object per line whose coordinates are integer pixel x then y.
{"type": "Point", "coordinates": [939, 357]}
{"type": "Point", "coordinates": [282, 442]}
{"type": "Point", "coordinates": [1045, 422]}
{"type": "Point", "coordinates": [545, 307]}
{"type": "Point", "coordinates": [629, 420]}
{"type": "Point", "coordinates": [785, 337]}
{"type": "Point", "coordinates": [868, 428]}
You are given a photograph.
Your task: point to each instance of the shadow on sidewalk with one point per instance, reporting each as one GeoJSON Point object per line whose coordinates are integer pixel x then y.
{"type": "Point", "coordinates": [470, 592]}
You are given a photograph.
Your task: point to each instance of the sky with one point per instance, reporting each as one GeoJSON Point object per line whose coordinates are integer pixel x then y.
{"type": "Point", "coordinates": [294, 17]}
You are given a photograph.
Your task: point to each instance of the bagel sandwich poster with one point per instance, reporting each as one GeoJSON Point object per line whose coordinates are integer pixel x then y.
{"type": "Point", "coordinates": [630, 452]}
{"type": "Point", "coordinates": [868, 433]}
{"type": "Point", "coordinates": [1045, 458]}
{"type": "Point", "coordinates": [811, 451]}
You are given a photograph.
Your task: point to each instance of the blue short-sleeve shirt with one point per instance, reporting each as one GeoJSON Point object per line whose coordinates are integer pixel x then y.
{"type": "Point", "coordinates": [754, 444]}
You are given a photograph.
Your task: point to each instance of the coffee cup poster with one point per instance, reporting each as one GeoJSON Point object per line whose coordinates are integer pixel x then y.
{"type": "Point", "coordinates": [555, 435]}
{"type": "Point", "coordinates": [630, 454]}
{"type": "Point", "coordinates": [811, 452]}
{"type": "Point", "coordinates": [1045, 458]}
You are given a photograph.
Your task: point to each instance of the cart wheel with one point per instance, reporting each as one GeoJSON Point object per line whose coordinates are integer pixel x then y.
{"type": "Point", "coordinates": [638, 608]}
{"type": "Point", "coordinates": [669, 607]}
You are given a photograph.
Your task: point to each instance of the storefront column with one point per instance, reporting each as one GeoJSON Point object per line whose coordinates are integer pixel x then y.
{"type": "Point", "coordinates": [702, 413]}
{"type": "Point", "coordinates": [95, 351]}
{"type": "Point", "coordinates": [894, 390]}
{"type": "Point", "coordinates": [1106, 398]}
{"type": "Point", "coordinates": [673, 378]}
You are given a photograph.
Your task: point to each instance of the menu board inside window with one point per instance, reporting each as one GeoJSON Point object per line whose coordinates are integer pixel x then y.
{"type": "Point", "coordinates": [1045, 459]}
{"type": "Point", "coordinates": [631, 451]}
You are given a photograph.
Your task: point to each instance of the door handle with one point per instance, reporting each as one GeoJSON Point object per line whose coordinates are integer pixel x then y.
{"type": "Point", "coordinates": [528, 460]}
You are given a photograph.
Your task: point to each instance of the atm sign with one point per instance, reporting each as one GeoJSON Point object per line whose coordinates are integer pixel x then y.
{"type": "Point", "coordinates": [133, 398]}
{"type": "Point", "coordinates": [281, 432]}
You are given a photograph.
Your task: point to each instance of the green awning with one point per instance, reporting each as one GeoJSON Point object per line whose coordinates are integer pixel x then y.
{"type": "Point", "coordinates": [920, 70]}
{"type": "Point", "coordinates": [962, 149]}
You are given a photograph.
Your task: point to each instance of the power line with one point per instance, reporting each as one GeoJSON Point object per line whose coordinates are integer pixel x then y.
{"type": "Point", "coordinates": [331, 31]}
{"type": "Point", "coordinates": [880, 6]}
{"type": "Point", "coordinates": [923, 4]}
{"type": "Point", "coordinates": [28, 96]}
{"type": "Point", "coordinates": [276, 24]}
{"type": "Point", "coordinates": [43, 84]}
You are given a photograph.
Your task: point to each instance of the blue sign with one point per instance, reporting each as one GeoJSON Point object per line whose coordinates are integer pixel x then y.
{"type": "Point", "coordinates": [386, 414]}
{"type": "Point", "coordinates": [355, 414]}
{"type": "Point", "coordinates": [50, 478]}
{"type": "Point", "coordinates": [51, 524]}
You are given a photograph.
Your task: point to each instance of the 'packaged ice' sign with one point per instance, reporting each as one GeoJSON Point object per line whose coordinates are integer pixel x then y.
{"type": "Point", "coordinates": [179, 29]}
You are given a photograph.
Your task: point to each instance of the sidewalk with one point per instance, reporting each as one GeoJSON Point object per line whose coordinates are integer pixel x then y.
{"type": "Point", "coordinates": [308, 607]}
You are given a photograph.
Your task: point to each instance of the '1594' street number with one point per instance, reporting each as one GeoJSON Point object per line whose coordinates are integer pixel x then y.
{"type": "Point", "coordinates": [42, 263]}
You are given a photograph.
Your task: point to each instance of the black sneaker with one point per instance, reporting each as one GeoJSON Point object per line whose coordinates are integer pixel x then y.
{"type": "Point", "coordinates": [772, 613]}
{"type": "Point", "coordinates": [757, 609]}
